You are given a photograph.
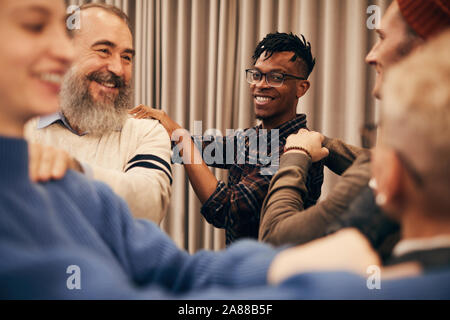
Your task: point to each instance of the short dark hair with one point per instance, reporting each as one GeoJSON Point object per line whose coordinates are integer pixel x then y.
{"type": "Point", "coordinates": [111, 9]}
{"type": "Point", "coordinates": [280, 42]}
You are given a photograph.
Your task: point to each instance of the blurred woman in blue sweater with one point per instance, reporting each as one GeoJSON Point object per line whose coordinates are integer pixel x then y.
{"type": "Point", "coordinates": [50, 230]}
{"type": "Point", "coordinates": [75, 239]}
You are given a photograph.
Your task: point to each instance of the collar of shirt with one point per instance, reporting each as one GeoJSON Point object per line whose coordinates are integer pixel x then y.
{"type": "Point", "coordinates": [288, 128]}
{"type": "Point", "coordinates": [410, 245]}
{"type": "Point", "coordinates": [264, 138]}
{"type": "Point", "coordinates": [47, 121]}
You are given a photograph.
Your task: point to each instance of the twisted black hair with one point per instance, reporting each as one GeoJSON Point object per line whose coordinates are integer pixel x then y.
{"type": "Point", "coordinates": [280, 42]}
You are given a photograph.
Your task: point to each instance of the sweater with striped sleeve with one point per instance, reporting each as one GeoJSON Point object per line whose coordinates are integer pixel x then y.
{"type": "Point", "coordinates": [47, 229]}
{"type": "Point", "coordinates": [133, 161]}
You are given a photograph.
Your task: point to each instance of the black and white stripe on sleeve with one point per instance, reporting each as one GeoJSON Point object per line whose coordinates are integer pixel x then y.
{"type": "Point", "coordinates": [150, 161]}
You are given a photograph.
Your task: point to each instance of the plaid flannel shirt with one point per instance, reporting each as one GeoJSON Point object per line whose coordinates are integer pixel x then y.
{"type": "Point", "coordinates": [236, 206]}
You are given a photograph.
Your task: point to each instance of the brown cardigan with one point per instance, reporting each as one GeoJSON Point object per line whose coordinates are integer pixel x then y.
{"type": "Point", "coordinates": [283, 217]}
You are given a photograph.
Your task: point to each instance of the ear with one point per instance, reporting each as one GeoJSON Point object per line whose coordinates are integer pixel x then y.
{"type": "Point", "coordinates": [302, 87]}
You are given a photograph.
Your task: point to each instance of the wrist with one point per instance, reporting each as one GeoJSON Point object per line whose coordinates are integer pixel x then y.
{"type": "Point", "coordinates": [184, 143]}
{"type": "Point", "coordinates": [179, 135]}
{"type": "Point", "coordinates": [291, 151]}
{"type": "Point", "coordinates": [176, 129]}
{"type": "Point", "coordinates": [297, 149]}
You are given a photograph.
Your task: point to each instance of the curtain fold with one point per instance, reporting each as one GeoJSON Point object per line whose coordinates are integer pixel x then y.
{"type": "Point", "coordinates": [190, 61]}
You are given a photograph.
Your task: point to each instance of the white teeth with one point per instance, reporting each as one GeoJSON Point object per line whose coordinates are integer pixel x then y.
{"type": "Point", "coordinates": [108, 85]}
{"type": "Point", "coordinates": [263, 99]}
{"type": "Point", "coordinates": [51, 77]}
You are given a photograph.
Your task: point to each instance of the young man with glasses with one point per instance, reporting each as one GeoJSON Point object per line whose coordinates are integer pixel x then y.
{"type": "Point", "coordinates": [278, 78]}
{"type": "Point", "coordinates": [406, 25]}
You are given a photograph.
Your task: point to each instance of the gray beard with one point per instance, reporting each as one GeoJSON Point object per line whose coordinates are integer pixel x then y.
{"type": "Point", "coordinates": [88, 116]}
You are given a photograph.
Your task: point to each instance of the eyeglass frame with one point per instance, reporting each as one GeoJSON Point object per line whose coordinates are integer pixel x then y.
{"type": "Point", "coordinates": [271, 72]}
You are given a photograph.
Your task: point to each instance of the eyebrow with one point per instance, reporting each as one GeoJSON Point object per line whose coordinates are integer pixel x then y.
{"type": "Point", "coordinates": [130, 51]}
{"type": "Point", "coordinates": [273, 70]}
{"type": "Point", "coordinates": [112, 45]}
{"type": "Point", "coordinates": [33, 9]}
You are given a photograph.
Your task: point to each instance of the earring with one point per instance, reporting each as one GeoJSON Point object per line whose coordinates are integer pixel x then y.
{"type": "Point", "coordinates": [373, 184]}
{"type": "Point", "coordinates": [380, 199]}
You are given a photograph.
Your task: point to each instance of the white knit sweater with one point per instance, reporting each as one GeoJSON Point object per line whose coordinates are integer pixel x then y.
{"type": "Point", "coordinates": [134, 162]}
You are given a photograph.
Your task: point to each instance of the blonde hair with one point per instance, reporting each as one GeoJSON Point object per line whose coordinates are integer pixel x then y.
{"type": "Point", "coordinates": [415, 114]}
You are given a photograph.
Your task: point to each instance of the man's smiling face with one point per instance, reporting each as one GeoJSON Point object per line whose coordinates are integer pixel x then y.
{"type": "Point", "coordinates": [96, 92]}
{"type": "Point", "coordinates": [276, 102]}
{"type": "Point", "coordinates": [394, 44]}
{"type": "Point", "coordinates": [105, 53]}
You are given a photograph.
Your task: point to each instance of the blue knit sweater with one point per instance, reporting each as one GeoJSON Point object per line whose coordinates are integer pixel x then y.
{"type": "Point", "coordinates": [46, 228]}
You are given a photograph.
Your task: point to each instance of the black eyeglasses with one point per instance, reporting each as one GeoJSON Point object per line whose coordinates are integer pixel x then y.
{"type": "Point", "coordinates": [273, 79]}
{"type": "Point", "coordinates": [369, 135]}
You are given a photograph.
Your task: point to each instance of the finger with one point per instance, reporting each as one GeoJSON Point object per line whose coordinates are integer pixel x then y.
{"type": "Point", "coordinates": [151, 113]}
{"type": "Point", "coordinates": [60, 166]}
{"type": "Point", "coordinates": [322, 137]}
{"type": "Point", "coordinates": [303, 131]}
{"type": "Point", "coordinates": [155, 114]}
{"type": "Point", "coordinates": [138, 115]}
{"type": "Point", "coordinates": [325, 152]}
{"type": "Point", "coordinates": [318, 136]}
{"type": "Point", "coordinates": [136, 109]}
{"type": "Point", "coordinates": [291, 135]}
{"type": "Point", "coordinates": [142, 114]}
{"type": "Point", "coordinates": [133, 111]}
{"type": "Point", "coordinates": [145, 109]}
{"type": "Point", "coordinates": [48, 157]}
{"type": "Point", "coordinates": [34, 159]}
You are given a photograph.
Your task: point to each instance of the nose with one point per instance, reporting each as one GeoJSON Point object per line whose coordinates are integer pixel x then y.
{"type": "Point", "coordinates": [262, 83]}
{"type": "Point", "coordinates": [371, 57]}
{"type": "Point", "coordinates": [115, 66]}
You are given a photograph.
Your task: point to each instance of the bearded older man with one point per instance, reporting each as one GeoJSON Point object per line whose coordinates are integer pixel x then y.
{"type": "Point", "coordinates": [132, 156]}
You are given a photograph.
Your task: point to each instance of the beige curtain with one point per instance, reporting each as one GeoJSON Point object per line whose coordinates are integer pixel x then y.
{"type": "Point", "coordinates": [191, 57]}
